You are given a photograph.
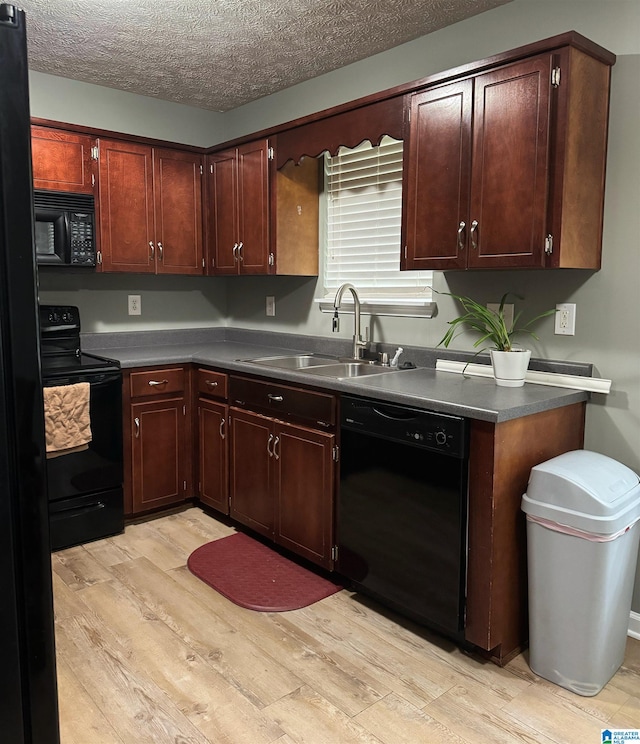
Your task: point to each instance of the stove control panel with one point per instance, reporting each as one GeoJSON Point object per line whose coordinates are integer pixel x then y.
{"type": "Point", "coordinates": [58, 318]}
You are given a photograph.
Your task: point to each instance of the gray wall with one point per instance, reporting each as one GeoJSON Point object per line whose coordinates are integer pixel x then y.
{"type": "Point", "coordinates": [167, 301]}
{"type": "Point", "coordinates": [75, 102]}
{"type": "Point", "coordinates": [608, 319]}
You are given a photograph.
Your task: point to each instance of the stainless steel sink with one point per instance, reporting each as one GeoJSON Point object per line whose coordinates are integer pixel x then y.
{"type": "Point", "coordinates": [295, 361]}
{"type": "Point", "coordinates": [348, 370]}
{"type": "Point", "coordinates": [314, 364]}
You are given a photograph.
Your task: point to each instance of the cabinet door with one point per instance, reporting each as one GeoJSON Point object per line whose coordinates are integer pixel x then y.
{"type": "Point", "coordinates": [126, 207]}
{"type": "Point", "coordinates": [251, 494]}
{"type": "Point", "coordinates": [253, 207]}
{"type": "Point", "coordinates": [222, 213]}
{"type": "Point", "coordinates": [213, 454]}
{"type": "Point", "coordinates": [436, 178]}
{"type": "Point", "coordinates": [510, 165]}
{"type": "Point", "coordinates": [61, 160]}
{"type": "Point", "coordinates": [304, 484]}
{"type": "Point", "coordinates": [157, 438]}
{"type": "Point", "coordinates": [177, 187]}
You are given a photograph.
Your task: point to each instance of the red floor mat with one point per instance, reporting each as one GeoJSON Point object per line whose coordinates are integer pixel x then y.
{"type": "Point", "coordinates": [253, 576]}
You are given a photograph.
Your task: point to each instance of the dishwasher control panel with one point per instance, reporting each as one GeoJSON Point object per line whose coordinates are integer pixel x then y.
{"type": "Point", "coordinates": [437, 432]}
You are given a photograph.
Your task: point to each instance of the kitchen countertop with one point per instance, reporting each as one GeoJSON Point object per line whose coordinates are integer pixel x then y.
{"type": "Point", "coordinates": [423, 387]}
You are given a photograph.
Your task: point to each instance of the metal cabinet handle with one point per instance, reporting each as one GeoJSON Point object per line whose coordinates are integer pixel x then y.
{"type": "Point", "coordinates": [235, 251]}
{"type": "Point", "coordinates": [240, 247]}
{"type": "Point", "coordinates": [160, 251]}
{"type": "Point", "coordinates": [275, 444]}
{"type": "Point", "coordinates": [136, 421]}
{"type": "Point", "coordinates": [275, 398]}
{"type": "Point", "coordinates": [461, 228]}
{"type": "Point", "coordinates": [153, 250]}
{"type": "Point", "coordinates": [222, 434]}
{"type": "Point", "coordinates": [474, 228]}
{"type": "Point", "coordinates": [211, 383]}
{"type": "Point", "coordinates": [268, 445]}
{"type": "Point", "coordinates": [153, 383]}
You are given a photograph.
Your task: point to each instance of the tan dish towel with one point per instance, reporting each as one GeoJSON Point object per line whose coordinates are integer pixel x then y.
{"type": "Point", "coordinates": [67, 421]}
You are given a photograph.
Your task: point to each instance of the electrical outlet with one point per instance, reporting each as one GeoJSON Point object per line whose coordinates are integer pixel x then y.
{"type": "Point", "coordinates": [135, 305]}
{"type": "Point", "coordinates": [565, 319]}
{"type": "Point", "coordinates": [507, 310]}
{"type": "Point", "coordinates": [271, 306]}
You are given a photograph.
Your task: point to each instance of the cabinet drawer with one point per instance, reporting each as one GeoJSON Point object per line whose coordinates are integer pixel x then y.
{"type": "Point", "coordinates": [213, 384]}
{"type": "Point", "coordinates": [157, 382]}
{"type": "Point", "coordinates": [283, 402]}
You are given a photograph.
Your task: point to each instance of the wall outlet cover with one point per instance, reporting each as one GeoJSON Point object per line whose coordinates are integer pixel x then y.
{"type": "Point", "coordinates": [135, 305]}
{"type": "Point", "coordinates": [565, 319]}
{"type": "Point", "coordinates": [271, 306]}
{"type": "Point", "coordinates": [507, 309]}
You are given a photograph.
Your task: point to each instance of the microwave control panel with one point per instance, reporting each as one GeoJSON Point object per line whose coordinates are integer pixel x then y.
{"type": "Point", "coordinates": [83, 250]}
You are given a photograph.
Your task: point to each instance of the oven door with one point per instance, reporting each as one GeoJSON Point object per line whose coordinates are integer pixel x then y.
{"type": "Point", "coordinates": [98, 468]}
{"type": "Point", "coordinates": [85, 488]}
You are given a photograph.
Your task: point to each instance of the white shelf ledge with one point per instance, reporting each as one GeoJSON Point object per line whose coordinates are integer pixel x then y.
{"type": "Point", "coordinates": [575, 382]}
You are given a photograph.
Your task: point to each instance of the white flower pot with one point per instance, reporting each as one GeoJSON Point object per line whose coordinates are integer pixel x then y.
{"type": "Point", "coordinates": [510, 367]}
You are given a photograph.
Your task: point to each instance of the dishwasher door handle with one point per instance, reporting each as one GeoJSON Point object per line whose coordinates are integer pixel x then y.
{"type": "Point", "coordinates": [399, 417]}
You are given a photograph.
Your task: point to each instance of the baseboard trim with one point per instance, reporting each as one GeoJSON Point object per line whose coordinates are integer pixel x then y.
{"type": "Point", "coordinates": [634, 625]}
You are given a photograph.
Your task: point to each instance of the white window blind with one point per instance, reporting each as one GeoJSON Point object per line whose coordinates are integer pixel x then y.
{"type": "Point", "coordinates": [364, 212]}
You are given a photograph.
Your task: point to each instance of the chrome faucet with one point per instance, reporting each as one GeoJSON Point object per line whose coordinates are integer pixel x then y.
{"type": "Point", "coordinates": [358, 343]}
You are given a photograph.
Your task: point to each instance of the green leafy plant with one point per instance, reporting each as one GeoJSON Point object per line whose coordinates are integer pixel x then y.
{"type": "Point", "coordinates": [491, 325]}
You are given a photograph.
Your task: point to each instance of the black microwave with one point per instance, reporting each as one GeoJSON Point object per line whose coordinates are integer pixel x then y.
{"type": "Point", "coordinates": [64, 229]}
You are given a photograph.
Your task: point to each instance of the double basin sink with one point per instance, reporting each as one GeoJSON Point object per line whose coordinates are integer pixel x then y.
{"type": "Point", "coordinates": [314, 364]}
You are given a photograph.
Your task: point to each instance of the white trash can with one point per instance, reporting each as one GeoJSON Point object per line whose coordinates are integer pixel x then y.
{"type": "Point", "coordinates": [582, 545]}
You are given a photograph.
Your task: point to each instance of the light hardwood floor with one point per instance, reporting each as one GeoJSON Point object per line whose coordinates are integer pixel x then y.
{"type": "Point", "coordinates": [148, 653]}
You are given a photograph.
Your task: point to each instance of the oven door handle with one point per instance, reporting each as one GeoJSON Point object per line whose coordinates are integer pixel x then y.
{"type": "Point", "coordinates": [93, 378]}
{"type": "Point", "coordinates": [77, 511]}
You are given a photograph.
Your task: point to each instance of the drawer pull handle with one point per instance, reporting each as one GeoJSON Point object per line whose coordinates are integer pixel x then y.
{"type": "Point", "coordinates": [211, 383]}
{"type": "Point", "coordinates": [153, 383]}
{"type": "Point", "coordinates": [222, 434]}
{"type": "Point", "coordinates": [275, 444]}
{"type": "Point", "coordinates": [268, 445]}
{"type": "Point", "coordinates": [275, 398]}
{"type": "Point", "coordinates": [136, 421]}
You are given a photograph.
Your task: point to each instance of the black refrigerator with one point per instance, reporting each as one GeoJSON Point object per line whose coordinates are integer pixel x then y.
{"type": "Point", "coordinates": [28, 694]}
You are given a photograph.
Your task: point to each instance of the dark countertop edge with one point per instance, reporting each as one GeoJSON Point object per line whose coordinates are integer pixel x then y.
{"type": "Point", "coordinates": [198, 354]}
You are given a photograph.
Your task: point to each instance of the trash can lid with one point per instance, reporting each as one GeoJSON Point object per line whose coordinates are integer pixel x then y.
{"type": "Point", "coordinates": [585, 490]}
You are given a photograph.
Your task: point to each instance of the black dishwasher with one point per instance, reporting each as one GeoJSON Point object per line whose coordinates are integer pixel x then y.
{"type": "Point", "coordinates": [402, 509]}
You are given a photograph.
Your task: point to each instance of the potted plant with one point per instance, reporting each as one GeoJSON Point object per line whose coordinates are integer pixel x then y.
{"type": "Point", "coordinates": [509, 361]}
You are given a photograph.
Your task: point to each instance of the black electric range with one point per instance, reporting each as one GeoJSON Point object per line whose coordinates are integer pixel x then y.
{"type": "Point", "coordinates": [85, 488]}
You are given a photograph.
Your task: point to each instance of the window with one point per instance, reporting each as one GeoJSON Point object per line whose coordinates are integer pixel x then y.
{"type": "Point", "coordinates": [363, 189]}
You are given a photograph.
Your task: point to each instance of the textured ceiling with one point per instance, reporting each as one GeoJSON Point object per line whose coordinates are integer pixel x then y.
{"type": "Point", "coordinates": [220, 54]}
